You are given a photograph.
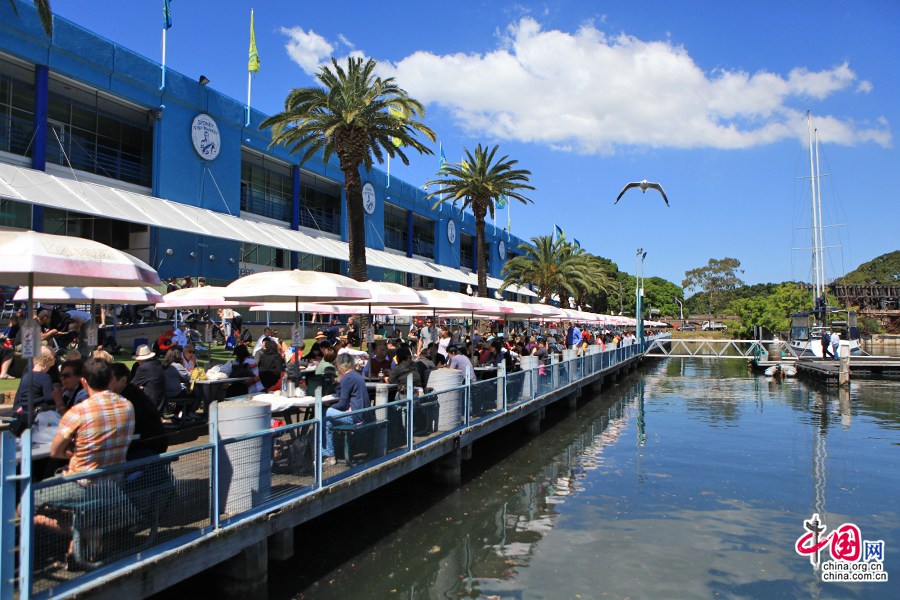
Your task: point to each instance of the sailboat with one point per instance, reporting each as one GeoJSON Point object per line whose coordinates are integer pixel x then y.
{"type": "Point", "coordinates": [807, 327]}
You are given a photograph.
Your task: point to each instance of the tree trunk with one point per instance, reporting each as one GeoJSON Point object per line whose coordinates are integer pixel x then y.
{"type": "Point", "coordinates": [356, 224]}
{"type": "Point", "coordinates": [479, 207]}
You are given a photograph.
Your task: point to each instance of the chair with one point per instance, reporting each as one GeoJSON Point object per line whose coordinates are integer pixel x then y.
{"type": "Point", "coordinates": [360, 443]}
{"type": "Point", "coordinates": [325, 381]}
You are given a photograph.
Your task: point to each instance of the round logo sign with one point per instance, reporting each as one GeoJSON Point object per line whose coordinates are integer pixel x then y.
{"type": "Point", "coordinates": [451, 231]}
{"type": "Point", "coordinates": [205, 135]}
{"type": "Point", "coordinates": [502, 249]}
{"type": "Point", "coordinates": [369, 198]}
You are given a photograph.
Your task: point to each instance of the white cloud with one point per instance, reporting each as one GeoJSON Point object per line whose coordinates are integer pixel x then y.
{"type": "Point", "coordinates": [595, 93]}
{"type": "Point", "coordinates": [345, 41]}
{"type": "Point", "coordinates": [307, 49]}
{"type": "Point", "coordinates": [864, 86]}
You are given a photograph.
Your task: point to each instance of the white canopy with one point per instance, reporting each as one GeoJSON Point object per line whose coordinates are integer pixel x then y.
{"type": "Point", "coordinates": [199, 297]}
{"type": "Point", "coordinates": [103, 295]}
{"type": "Point", "coordinates": [300, 286]}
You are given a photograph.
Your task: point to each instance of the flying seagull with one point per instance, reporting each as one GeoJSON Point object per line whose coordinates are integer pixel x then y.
{"type": "Point", "coordinates": [644, 187]}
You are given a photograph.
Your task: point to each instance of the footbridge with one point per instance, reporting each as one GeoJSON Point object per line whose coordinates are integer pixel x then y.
{"type": "Point", "coordinates": [706, 348]}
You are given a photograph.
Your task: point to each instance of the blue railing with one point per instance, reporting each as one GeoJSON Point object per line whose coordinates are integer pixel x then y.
{"type": "Point", "coordinates": [15, 135]}
{"type": "Point", "coordinates": [131, 512]}
{"type": "Point", "coordinates": [274, 207]}
{"type": "Point", "coordinates": [86, 155]}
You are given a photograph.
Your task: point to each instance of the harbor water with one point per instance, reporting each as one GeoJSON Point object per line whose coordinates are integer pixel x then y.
{"type": "Point", "coordinates": [687, 479]}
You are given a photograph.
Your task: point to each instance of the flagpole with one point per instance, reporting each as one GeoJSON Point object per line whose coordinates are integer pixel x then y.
{"type": "Point", "coordinates": [249, 74]}
{"type": "Point", "coordinates": [163, 61]}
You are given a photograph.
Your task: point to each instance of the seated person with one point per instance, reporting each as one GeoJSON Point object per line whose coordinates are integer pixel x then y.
{"type": "Point", "coordinates": [327, 363]}
{"type": "Point", "coordinates": [333, 331]}
{"type": "Point", "coordinates": [180, 338]}
{"type": "Point", "coordinates": [353, 396]}
{"type": "Point", "coordinates": [37, 382]}
{"type": "Point", "coordinates": [189, 358]}
{"type": "Point", "coordinates": [8, 347]}
{"type": "Point", "coordinates": [404, 367]}
{"type": "Point", "coordinates": [460, 362]}
{"type": "Point", "coordinates": [91, 435]}
{"type": "Point", "coordinates": [148, 424]}
{"type": "Point", "coordinates": [150, 377]}
{"type": "Point", "coordinates": [271, 364]}
{"type": "Point", "coordinates": [379, 365]}
{"type": "Point", "coordinates": [164, 343]}
{"type": "Point", "coordinates": [178, 379]}
{"type": "Point", "coordinates": [72, 391]}
{"type": "Point", "coordinates": [315, 352]}
{"type": "Point", "coordinates": [268, 334]}
{"type": "Point", "coordinates": [244, 366]}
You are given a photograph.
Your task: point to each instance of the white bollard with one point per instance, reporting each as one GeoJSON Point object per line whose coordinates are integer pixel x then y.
{"type": "Point", "coordinates": [245, 468]}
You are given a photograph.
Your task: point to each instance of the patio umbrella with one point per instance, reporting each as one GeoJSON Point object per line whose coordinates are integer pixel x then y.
{"type": "Point", "coordinates": [208, 297]}
{"type": "Point", "coordinates": [385, 293]}
{"type": "Point", "coordinates": [31, 258]}
{"type": "Point", "coordinates": [299, 286]}
{"type": "Point", "coordinates": [439, 301]}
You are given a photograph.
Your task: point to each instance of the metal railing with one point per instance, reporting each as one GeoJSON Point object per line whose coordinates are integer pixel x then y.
{"type": "Point", "coordinates": [275, 207]}
{"type": "Point", "coordinates": [15, 135]}
{"type": "Point", "coordinates": [125, 514]}
{"type": "Point", "coordinates": [87, 155]}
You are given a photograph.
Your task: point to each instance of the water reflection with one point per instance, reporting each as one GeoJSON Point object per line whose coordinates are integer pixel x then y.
{"type": "Point", "coordinates": [689, 482]}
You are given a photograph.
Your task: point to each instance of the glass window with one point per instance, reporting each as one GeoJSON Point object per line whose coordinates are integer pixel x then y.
{"type": "Point", "coordinates": [264, 255]}
{"type": "Point", "coordinates": [395, 276]}
{"type": "Point", "coordinates": [395, 227]}
{"type": "Point", "coordinates": [112, 232]}
{"type": "Point", "coordinates": [16, 109]}
{"type": "Point", "coordinates": [423, 236]}
{"type": "Point", "coordinates": [312, 262]}
{"type": "Point", "coordinates": [98, 135]}
{"type": "Point", "coordinates": [422, 282]}
{"type": "Point", "coordinates": [15, 214]}
{"type": "Point", "coordinates": [467, 250]}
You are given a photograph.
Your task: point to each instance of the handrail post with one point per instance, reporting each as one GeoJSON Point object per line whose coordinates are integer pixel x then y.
{"type": "Point", "coordinates": [26, 529]}
{"type": "Point", "coordinates": [7, 514]}
{"type": "Point", "coordinates": [501, 385]}
{"type": "Point", "coordinates": [468, 397]}
{"type": "Point", "coordinates": [320, 436]}
{"type": "Point", "coordinates": [409, 420]}
{"type": "Point", "coordinates": [214, 463]}
{"type": "Point", "coordinates": [554, 371]}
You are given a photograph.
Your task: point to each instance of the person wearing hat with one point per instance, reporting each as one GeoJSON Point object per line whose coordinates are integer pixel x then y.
{"type": "Point", "coordinates": [320, 336]}
{"type": "Point", "coordinates": [164, 342]}
{"type": "Point", "coordinates": [150, 377]}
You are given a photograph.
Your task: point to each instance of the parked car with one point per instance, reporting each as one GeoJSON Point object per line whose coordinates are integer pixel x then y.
{"type": "Point", "coordinates": [688, 328]}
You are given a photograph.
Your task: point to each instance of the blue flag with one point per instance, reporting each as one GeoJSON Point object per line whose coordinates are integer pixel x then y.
{"type": "Point", "coordinates": [577, 244]}
{"type": "Point", "coordinates": [167, 15]}
{"type": "Point", "coordinates": [558, 234]}
{"type": "Point", "coordinates": [443, 159]}
{"type": "Point", "coordinates": [501, 201]}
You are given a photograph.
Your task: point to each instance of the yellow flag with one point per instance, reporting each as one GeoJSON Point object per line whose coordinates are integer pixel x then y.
{"type": "Point", "coordinates": [254, 55]}
{"type": "Point", "coordinates": [399, 115]}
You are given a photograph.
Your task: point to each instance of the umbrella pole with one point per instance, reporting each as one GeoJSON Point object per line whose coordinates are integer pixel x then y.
{"type": "Point", "coordinates": [30, 366]}
{"type": "Point", "coordinates": [296, 318]}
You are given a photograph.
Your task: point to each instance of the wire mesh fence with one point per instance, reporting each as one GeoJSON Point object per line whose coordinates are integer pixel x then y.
{"type": "Point", "coordinates": [519, 387]}
{"type": "Point", "coordinates": [485, 399]}
{"type": "Point", "coordinates": [359, 437]}
{"type": "Point", "coordinates": [91, 520]}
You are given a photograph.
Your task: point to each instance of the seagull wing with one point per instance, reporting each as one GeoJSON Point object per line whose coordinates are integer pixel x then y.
{"type": "Point", "coordinates": [633, 184]}
{"type": "Point", "coordinates": [656, 186]}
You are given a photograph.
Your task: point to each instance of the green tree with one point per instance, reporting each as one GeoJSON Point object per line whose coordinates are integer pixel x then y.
{"type": "Point", "coordinates": [716, 279]}
{"type": "Point", "coordinates": [44, 13]}
{"type": "Point", "coordinates": [356, 116]}
{"type": "Point", "coordinates": [549, 265]}
{"type": "Point", "coordinates": [479, 181]}
{"type": "Point", "coordinates": [771, 311]}
{"type": "Point", "coordinates": [883, 269]}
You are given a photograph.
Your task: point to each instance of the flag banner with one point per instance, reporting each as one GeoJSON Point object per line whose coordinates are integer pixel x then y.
{"type": "Point", "coordinates": [501, 201]}
{"type": "Point", "coordinates": [399, 115]}
{"type": "Point", "coordinates": [577, 244]}
{"type": "Point", "coordinates": [558, 234]}
{"type": "Point", "coordinates": [254, 55]}
{"type": "Point", "coordinates": [443, 158]}
{"type": "Point", "coordinates": [465, 165]}
{"type": "Point", "coordinates": [167, 15]}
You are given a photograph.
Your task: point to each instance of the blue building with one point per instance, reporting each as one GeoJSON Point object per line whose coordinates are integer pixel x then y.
{"type": "Point", "coordinates": [90, 146]}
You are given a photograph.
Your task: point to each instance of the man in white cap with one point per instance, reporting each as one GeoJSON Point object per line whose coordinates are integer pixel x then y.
{"type": "Point", "coordinates": [150, 377]}
{"type": "Point", "coordinates": [180, 338]}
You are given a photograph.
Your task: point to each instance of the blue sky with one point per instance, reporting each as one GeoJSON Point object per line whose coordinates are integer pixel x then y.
{"type": "Point", "coordinates": [708, 100]}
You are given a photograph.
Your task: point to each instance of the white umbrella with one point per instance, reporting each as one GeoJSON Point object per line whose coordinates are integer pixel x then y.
{"type": "Point", "coordinates": [31, 258]}
{"type": "Point", "coordinates": [207, 297]}
{"type": "Point", "coordinates": [385, 293]}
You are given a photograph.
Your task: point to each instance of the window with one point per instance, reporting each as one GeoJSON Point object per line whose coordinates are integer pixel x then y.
{"type": "Point", "coordinates": [16, 109]}
{"type": "Point", "coordinates": [264, 255]}
{"type": "Point", "coordinates": [423, 236]}
{"type": "Point", "coordinates": [422, 282]}
{"type": "Point", "coordinates": [313, 262]}
{"type": "Point", "coordinates": [467, 251]}
{"type": "Point", "coordinates": [395, 227]}
{"type": "Point", "coordinates": [15, 214]}
{"type": "Point", "coordinates": [267, 188]}
{"type": "Point", "coordinates": [98, 135]}
{"type": "Point", "coordinates": [112, 232]}
{"type": "Point", "coordinates": [320, 204]}
{"type": "Point", "coordinates": [392, 276]}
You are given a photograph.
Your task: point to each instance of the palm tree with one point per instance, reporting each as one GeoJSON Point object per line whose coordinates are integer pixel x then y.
{"type": "Point", "coordinates": [554, 267]}
{"type": "Point", "coordinates": [358, 117]}
{"type": "Point", "coordinates": [44, 12]}
{"type": "Point", "coordinates": [597, 278]}
{"type": "Point", "coordinates": [479, 182]}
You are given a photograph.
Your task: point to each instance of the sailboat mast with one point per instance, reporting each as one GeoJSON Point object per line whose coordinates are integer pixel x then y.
{"type": "Point", "coordinates": [819, 215]}
{"type": "Point", "coordinates": [812, 205]}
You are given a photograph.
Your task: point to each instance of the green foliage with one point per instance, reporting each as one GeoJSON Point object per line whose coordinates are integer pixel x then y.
{"type": "Point", "coordinates": [478, 182]}
{"type": "Point", "coordinates": [716, 278]}
{"type": "Point", "coordinates": [884, 269]}
{"type": "Point", "coordinates": [772, 311]}
{"type": "Point", "coordinates": [869, 326]}
{"type": "Point", "coordinates": [699, 302]}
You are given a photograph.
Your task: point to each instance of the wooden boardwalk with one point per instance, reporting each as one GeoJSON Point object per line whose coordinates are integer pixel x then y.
{"type": "Point", "coordinates": [827, 371]}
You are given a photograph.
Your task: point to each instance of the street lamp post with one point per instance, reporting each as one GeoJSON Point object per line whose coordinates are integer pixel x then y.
{"type": "Point", "coordinates": [639, 293]}
{"type": "Point", "coordinates": [681, 306]}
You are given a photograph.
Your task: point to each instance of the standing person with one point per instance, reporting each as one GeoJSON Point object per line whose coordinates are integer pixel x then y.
{"type": "Point", "coordinates": [8, 347]}
{"type": "Point", "coordinates": [150, 377]}
{"type": "Point", "coordinates": [826, 345]}
{"type": "Point", "coordinates": [172, 285]}
{"type": "Point", "coordinates": [540, 351]}
{"type": "Point", "coordinates": [426, 335]}
{"type": "Point", "coordinates": [352, 331]}
{"type": "Point", "coordinates": [444, 342]}
{"type": "Point", "coordinates": [835, 344]}
{"type": "Point", "coordinates": [187, 283]}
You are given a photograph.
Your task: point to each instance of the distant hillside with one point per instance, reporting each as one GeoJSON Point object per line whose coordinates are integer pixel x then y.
{"type": "Point", "coordinates": [884, 269]}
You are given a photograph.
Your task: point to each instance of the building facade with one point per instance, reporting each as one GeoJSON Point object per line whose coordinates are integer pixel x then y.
{"type": "Point", "coordinates": [92, 145]}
